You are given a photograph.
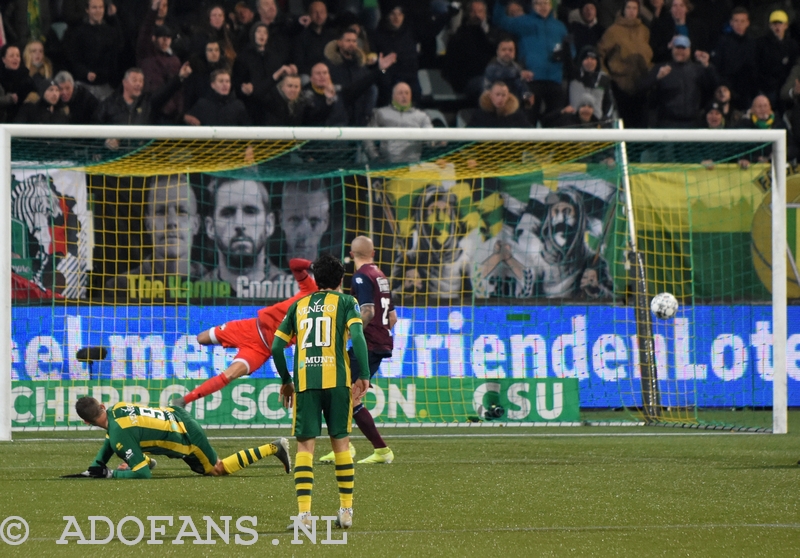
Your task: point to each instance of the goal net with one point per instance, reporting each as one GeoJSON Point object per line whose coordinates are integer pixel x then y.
{"type": "Point", "coordinates": [522, 265]}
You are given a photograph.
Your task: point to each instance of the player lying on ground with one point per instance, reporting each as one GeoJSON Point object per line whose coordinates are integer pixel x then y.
{"type": "Point", "coordinates": [323, 322]}
{"type": "Point", "coordinates": [135, 429]}
{"type": "Point", "coordinates": [252, 337]}
{"type": "Point", "coordinates": [371, 289]}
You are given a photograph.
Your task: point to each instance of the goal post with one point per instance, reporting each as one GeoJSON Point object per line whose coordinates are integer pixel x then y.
{"type": "Point", "coordinates": [458, 329]}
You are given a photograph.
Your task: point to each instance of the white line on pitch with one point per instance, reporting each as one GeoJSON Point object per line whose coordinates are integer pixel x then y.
{"type": "Point", "coordinates": [448, 435]}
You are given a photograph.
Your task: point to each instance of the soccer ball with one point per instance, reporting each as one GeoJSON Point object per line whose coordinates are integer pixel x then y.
{"type": "Point", "coordinates": [664, 306]}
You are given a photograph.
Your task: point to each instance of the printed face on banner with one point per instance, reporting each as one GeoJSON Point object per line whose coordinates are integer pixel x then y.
{"type": "Point", "coordinates": [554, 249]}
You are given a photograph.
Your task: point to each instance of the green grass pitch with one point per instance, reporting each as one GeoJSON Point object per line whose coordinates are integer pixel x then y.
{"type": "Point", "coordinates": [500, 492]}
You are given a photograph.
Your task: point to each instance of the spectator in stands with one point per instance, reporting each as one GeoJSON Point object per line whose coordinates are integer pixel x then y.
{"type": "Point", "coordinates": [15, 80]}
{"type": "Point", "coordinates": [94, 49]}
{"type": "Point", "coordinates": [254, 72]}
{"type": "Point", "coordinates": [399, 114]}
{"type": "Point", "coordinates": [776, 53]}
{"type": "Point", "coordinates": [220, 107]}
{"type": "Point", "coordinates": [242, 18]}
{"type": "Point", "coordinates": [80, 103]}
{"type": "Point", "coordinates": [541, 37]}
{"type": "Point", "coordinates": [47, 110]}
{"type": "Point", "coordinates": [39, 66]}
{"type": "Point", "coordinates": [309, 47]}
{"type": "Point", "coordinates": [214, 28]}
{"type": "Point", "coordinates": [285, 106]}
{"type": "Point", "coordinates": [591, 81]}
{"type": "Point", "coordinates": [355, 80]}
{"type": "Point", "coordinates": [325, 108]}
{"type": "Point", "coordinates": [626, 55]}
{"type": "Point", "coordinates": [608, 11]}
{"type": "Point", "coordinates": [469, 51]}
{"type": "Point", "coordinates": [579, 115]}
{"type": "Point", "coordinates": [676, 22]}
{"type": "Point", "coordinates": [762, 117]}
{"type": "Point", "coordinates": [735, 58]}
{"type": "Point", "coordinates": [584, 27]}
{"type": "Point", "coordinates": [504, 68]}
{"type": "Point", "coordinates": [198, 85]}
{"type": "Point", "coordinates": [680, 85]}
{"type": "Point", "coordinates": [397, 37]}
{"type": "Point", "coordinates": [131, 105]}
{"type": "Point", "coordinates": [159, 64]}
{"type": "Point", "coordinates": [498, 108]}
{"type": "Point", "coordinates": [713, 119]}
{"type": "Point", "coordinates": [280, 27]}
{"type": "Point", "coordinates": [732, 116]}
{"type": "Point", "coordinates": [26, 21]}
{"type": "Point", "coordinates": [349, 21]}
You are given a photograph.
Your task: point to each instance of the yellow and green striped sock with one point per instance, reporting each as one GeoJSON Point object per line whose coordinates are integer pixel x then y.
{"type": "Point", "coordinates": [345, 477]}
{"type": "Point", "coordinates": [245, 457]}
{"type": "Point", "coordinates": [304, 480]}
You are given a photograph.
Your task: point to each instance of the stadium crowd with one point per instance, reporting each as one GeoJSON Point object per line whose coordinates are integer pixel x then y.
{"type": "Point", "coordinates": [654, 63]}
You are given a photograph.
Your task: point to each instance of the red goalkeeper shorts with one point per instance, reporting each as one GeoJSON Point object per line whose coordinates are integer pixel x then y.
{"type": "Point", "coordinates": [243, 335]}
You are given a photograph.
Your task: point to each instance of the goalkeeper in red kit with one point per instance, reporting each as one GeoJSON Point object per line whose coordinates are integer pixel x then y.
{"type": "Point", "coordinates": [252, 337]}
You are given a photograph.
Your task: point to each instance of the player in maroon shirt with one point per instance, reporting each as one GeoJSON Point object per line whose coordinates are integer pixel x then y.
{"type": "Point", "coordinates": [252, 337]}
{"type": "Point", "coordinates": [371, 289]}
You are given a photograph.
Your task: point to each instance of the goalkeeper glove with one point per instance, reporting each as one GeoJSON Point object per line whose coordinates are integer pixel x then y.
{"type": "Point", "coordinates": [98, 472]}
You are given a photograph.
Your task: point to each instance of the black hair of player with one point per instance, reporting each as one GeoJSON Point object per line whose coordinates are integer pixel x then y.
{"type": "Point", "coordinates": [88, 408]}
{"type": "Point", "coordinates": [328, 271]}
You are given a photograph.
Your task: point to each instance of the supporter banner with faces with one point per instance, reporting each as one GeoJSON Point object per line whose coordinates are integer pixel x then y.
{"type": "Point", "coordinates": [177, 238]}
{"type": "Point", "coordinates": [534, 237]}
{"type": "Point", "coordinates": [192, 237]}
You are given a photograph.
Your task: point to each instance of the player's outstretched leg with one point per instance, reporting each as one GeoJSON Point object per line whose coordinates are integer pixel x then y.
{"type": "Point", "coordinates": [246, 457]}
{"type": "Point", "coordinates": [213, 384]}
{"type": "Point", "coordinates": [366, 424]}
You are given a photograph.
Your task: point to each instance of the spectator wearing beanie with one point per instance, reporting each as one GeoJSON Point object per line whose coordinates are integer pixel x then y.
{"type": "Point", "coordinates": [722, 96]}
{"type": "Point", "coordinates": [592, 82]}
{"type": "Point", "coordinates": [713, 118]}
{"type": "Point", "coordinates": [47, 110]}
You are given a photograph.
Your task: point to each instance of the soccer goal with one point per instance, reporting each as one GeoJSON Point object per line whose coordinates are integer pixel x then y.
{"type": "Point", "coordinates": [522, 263]}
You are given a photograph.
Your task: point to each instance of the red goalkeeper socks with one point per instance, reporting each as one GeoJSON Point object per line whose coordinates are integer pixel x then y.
{"type": "Point", "coordinates": [207, 388]}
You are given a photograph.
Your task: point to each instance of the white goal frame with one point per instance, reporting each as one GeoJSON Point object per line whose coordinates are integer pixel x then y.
{"type": "Point", "coordinates": [776, 137]}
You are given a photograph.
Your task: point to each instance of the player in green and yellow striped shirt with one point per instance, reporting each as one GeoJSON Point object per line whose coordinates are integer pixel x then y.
{"type": "Point", "coordinates": [134, 430]}
{"type": "Point", "coordinates": [323, 322]}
